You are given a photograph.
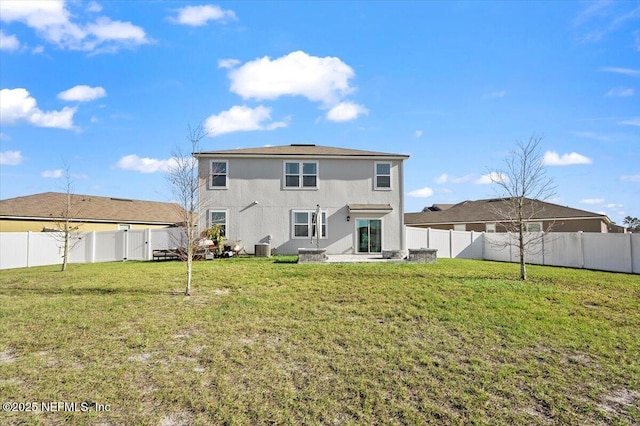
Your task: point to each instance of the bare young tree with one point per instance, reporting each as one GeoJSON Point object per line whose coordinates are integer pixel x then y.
{"type": "Point", "coordinates": [66, 230]}
{"type": "Point", "coordinates": [185, 184]}
{"type": "Point", "coordinates": [522, 185]}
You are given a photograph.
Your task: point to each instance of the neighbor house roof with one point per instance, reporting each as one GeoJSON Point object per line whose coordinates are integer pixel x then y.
{"type": "Point", "coordinates": [296, 150]}
{"type": "Point", "coordinates": [485, 211]}
{"type": "Point", "coordinates": [50, 206]}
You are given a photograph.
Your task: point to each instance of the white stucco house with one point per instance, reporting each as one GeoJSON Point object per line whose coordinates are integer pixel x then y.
{"type": "Point", "coordinates": [271, 195]}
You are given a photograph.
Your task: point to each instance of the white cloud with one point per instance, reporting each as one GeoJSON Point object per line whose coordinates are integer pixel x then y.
{"type": "Point", "coordinates": [17, 105]}
{"type": "Point", "coordinates": [592, 201]}
{"type": "Point", "coordinates": [94, 7]}
{"type": "Point", "coordinates": [10, 158]}
{"type": "Point", "coordinates": [8, 42]}
{"type": "Point", "coordinates": [425, 192]}
{"type": "Point", "coordinates": [52, 174]}
{"type": "Point", "coordinates": [630, 178]}
{"type": "Point", "coordinates": [625, 71]}
{"type": "Point", "coordinates": [82, 93]}
{"type": "Point", "coordinates": [318, 79]}
{"type": "Point", "coordinates": [197, 16]}
{"type": "Point", "coordinates": [631, 122]}
{"type": "Point", "coordinates": [228, 63]}
{"type": "Point", "coordinates": [346, 111]}
{"type": "Point", "coordinates": [241, 119]}
{"type": "Point", "coordinates": [552, 158]}
{"type": "Point", "coordinates": [145, 164]}
{"type": "Point", "coordinates": [443, 178]}
{"type": "Point", "coordinates": [418, 134]}
{"type": "Point", "coordinates": [52, 21]}
{"type": "Point", "coordinates": [491, 178]}
{"type": "Point", "coordinates": [614, 206]}
{"type": "Point", "coordinates": [621, 92]}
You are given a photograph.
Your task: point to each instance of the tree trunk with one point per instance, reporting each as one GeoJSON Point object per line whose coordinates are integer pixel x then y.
{"type": "Point", "coordinates": [187, 291]}
{"type": "Point", "coordinates": [65, 252]}
{"type": "Point", "coordinates": [523, 266]}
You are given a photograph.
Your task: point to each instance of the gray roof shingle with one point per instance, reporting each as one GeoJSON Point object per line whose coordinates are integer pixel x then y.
{"type": "Point", "coordinates": [485, 211]}
{"type": "Point", "coordinates": [301, 150]}
{"type": "Point", "coordinates": [51, 205]}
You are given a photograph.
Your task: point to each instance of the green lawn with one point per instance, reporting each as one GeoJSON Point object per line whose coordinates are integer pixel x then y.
{"type": "Point", "coordinates": [269, 341]}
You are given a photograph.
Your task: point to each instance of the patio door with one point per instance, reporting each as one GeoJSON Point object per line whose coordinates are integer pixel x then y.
{"type": "Point", "coordinates": [369, 235]}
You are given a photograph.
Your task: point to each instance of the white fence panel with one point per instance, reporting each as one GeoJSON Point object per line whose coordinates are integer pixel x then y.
{"type": "Point", "coordinates": [563, 249]}
{"type": "Point", "coordinates": [466, 245]}
{"type": "Point", "coordinates": [45, 248]}
{"type": "Point", "coordinates": [441, 240]}
{"type": "Point", "coordinates": [417, 237]}
{"type": "Point", "coordinates": [635, 253]}
{"type": "Point", "coordinates": [497, 247]}
{"type": "Point", "coordinates": [136, 244]}
{"type": "Point", "coordinates": [607, 252]}
{"type": "Point", "coordinates": [81, 248]}
{"type": "Point", "coordinates": [109, 246]}
{"type": "Point", "coordinates": [166, 238]}
{"type": "Point", "coordinates": [13, 249]}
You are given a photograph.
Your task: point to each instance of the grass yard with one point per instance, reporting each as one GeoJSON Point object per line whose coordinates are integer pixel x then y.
{"type": "Point", "coordinates": [267, 341]}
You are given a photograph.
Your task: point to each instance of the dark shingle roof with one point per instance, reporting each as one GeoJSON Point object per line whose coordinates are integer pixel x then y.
{"type": "Point", "coordinates": [301, 150]}
{"type": "Point", "coordinates": [485, 211]}
{"type": "Point", "coordinates": [50, 205]}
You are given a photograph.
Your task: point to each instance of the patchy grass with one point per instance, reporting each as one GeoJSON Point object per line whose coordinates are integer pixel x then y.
{"type": "Point", "coordinates": [268, 341]}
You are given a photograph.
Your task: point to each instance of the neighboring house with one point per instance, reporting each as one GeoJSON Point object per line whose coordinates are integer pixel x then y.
{"type": "Point", "coordinates": [270, 195]}
{"type": "Point", "coordinates": [482, 216]}
{"type": "Point", "coordinates": [44, 211]}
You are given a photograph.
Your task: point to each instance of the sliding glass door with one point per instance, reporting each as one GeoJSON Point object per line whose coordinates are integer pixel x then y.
{"type": "Point", "coordinates": [369, 235]}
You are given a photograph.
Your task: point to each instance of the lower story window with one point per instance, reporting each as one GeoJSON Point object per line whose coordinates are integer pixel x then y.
{"type": "Point", "coordinates": [219, 217]}
{"type": "Point", "coordinates": [304, 224]}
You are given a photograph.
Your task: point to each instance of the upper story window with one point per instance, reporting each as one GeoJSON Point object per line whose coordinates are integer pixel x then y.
{"type": "Point", "coordinates": [301, 174]}
{"type": "Point", "coordinates": [383, 176]}
{"type": "Point", "coordinates": [218, 174]}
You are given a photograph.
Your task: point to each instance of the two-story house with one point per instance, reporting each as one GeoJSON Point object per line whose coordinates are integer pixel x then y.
{"type": "Point", "coordinates": [271, 195]}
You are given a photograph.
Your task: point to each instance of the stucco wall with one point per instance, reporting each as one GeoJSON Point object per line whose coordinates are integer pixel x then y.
{"type": "Point", "coordinates": [340, 182]}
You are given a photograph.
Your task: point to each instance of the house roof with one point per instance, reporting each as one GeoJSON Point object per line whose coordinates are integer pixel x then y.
{"type": "Point", "coordinates": [485, 211]}
{"type": "Point", "coordinates": [50, 205]}
{"type": "Point", "coordinates": [297, 150]}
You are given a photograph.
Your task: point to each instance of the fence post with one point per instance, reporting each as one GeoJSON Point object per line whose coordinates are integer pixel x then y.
{"type": "Point", "coordinates": [28, 247]}
{"type": "Point", "coordinates": [580, 233]}
{"type": "Point", "coordinates": [428, 237]}
{"type": "Point", "coordinates": [147, 241]}
{"type": "Point", "coordinates": [631, 251]}
{"type": "Point", "coordinates": [543, 234]}
{"type": "Point", "coordinates": [450, 243]}
{"type": "Point", "coordinates": [92, 258]}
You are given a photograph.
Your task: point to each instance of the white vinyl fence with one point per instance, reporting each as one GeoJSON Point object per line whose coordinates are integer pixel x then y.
{"type": "Point", "coordinates": [604, 252]}
{"type": "Point", "coordinates": [24, 249]}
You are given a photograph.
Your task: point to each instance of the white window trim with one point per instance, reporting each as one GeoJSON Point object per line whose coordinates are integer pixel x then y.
{"type": "Point", "coordinates": [124, 227]}
{"type": "Point", "coordinates": [490, 228]}
{"type": "Point", "coordinates": [300, 175]}
{"type": "Point", "coordinates": [226, 174]}
{"type": "Point", "coordinates": [226, 219]}
{"type": "Point", "coordinates": [460, 227]}
{"type": "Point", "coordinates": [375, 176]}
{"type": "Point", "coordinates": [309, 224]}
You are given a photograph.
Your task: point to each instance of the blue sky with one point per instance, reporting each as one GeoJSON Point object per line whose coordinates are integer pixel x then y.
{"type": "Point", "coordinates": [108, 88]}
